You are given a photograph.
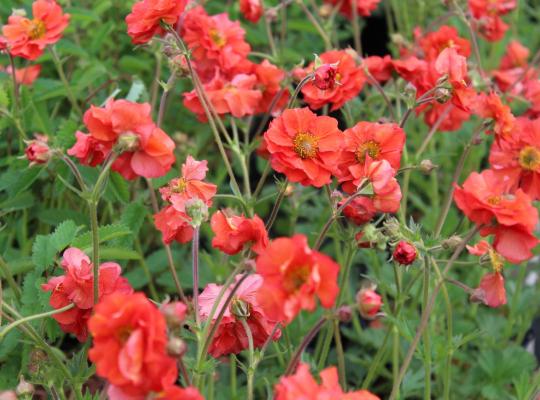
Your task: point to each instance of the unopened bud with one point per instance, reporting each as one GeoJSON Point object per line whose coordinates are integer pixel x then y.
{"type": "Point", "coordinates": [369, 303]}
{"type": "Point", "coordinates": [37, 150]}
{"type": "Point", "coordinates": [24, 388]}
{"type": "Point", "coordinates": [405, 253]}
{"type": "Point", "coordinates": [325, 10]}
{"type": "Point", "coordinates": [451, 243]}
{"type": "Point", "coordinates": [289, 190]}
{"type": "Point", "coordinates": [426, 166]}
{"type": "Point", "coordinates": [325, 77]}
{"type": "Point", "coordinates": [176, 347]}
{"type": "Point", "coordinates": [392, 228]}
{"type": "Point", "coordinates": [442, 95]}
{"type": "Point", "coordinates": [197, 210]}
{"type": "Point", "coordinates": [174, 313]}
{"type": "Point", "coordinates": [240, 308]}
{"type": "Point", "coordinates": [410, 92]}
{"type": "Point", "coordinates": [344, 314]}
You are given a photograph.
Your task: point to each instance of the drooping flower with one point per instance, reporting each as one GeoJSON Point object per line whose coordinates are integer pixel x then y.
{"type": "Point", "coordinates": [491, 290]}
{"type": "Point", "coordinates": [294, 276]}
{"type": "Point", "coordinates": [251, 10]}
{"type": "Point", "coordinates": [129, 345]}
{"type": "Point", "coordinates": [127, 127]}
{"type": "Point", "coordinates": [367, 139]}
{"type": "Point", "coordinates": [37, 151]}
{"type": "Point", "coordinates": [491, 106]}
{"type": "Point", "coordinates": [76, 287]}
{"type": "Point", "coordinates": [24, 76]}
{"type": "Point", "coordinates": [360, 210]}
{"type": "Point", "coordinates": [231, 337]}
{"type": "Point", "coordinates": [489, 201]}
{"type": "Point", "coordinates": [173, 225]}
{"type": "Point", "coordinates": [404, 253]}
{"type": "Point", "coordinates": [190, 185]}
{"type": "Point", "coordinates": [146, 17]}
{"type": "Point", "coordinates": [303, 146]}
{"type": "Point", "coordinates": [363, 7]}
{"type": "Point", "coordinates": [386, 191]}
{"type": "Point", "coordinates": [28, 38]}
{"type": "Point", "coordinates": [349, 81]}
{"type": "Point", "coordinates": [233, 232]}
{"type": "Point", "coordinates": [302, 386]}
{"type": "Point", "coordinates": [518, 156]}
{"type": "Point", "coordinates": [369, 302]}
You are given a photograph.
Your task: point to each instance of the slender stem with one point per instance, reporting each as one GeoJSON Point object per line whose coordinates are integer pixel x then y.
{"type": "Point", "coordinates": [4, 267]}
{"type": "Point", "coordinates": [92, 205]}
{"type": "Point", "coordinates": [250, 371]}
{"type": "Point", "coordinates": [268, 29]}
{"type": "Point", "coordinates": [307, 340]}
{"type": "Point", "coordinates": [301, 84]}
{"type": "Point", "coordinates": [74, 170]}
{"type": "Point", "coordinates": [15, 85]}
{"type": "Point", "coordinates": [316, 25]}
{"type": "Point", "coordinates": [356, 28]}
{"type": "Point", "coordinates": [277, 205]}
{"type": "Point", "coordinates": [195, 259]}
{"type": "Point", "coordinates": [164, 97]}
{"type": "Point", "coordinates": [340, 356]}
{"type": "Point", "coordinates": [62, 75]}
{"type": "Point", "coordinates": [262, 180]}
{"type": "Point", "coordinates": [433, 130]}
{"type": "Point", "coordinates": [18, 322]}
{"type": "Point", "coordinates": [427, 344]}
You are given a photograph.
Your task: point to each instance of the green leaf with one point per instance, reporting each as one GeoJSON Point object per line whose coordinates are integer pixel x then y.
{"type": "Point", "coordinates": [106, 233]}
{"type": "Point", "coordinates": [65, 137]}
{"type": "Point", "coordinates": [118, 253]}
{"type": "Point", "coordinates": [136, 90]}
{"type": "Point", "coordinates": [63, 235]}
{"type": "Point", "coordinates": [43, 252]}
{"type": "Point", "coordinates": [4, 98]}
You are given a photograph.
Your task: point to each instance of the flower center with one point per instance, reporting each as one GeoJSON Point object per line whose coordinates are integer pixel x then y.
{"type": "Point", "coordinates": [496, 259]}
{"type": "Point", "coordinates": [494, 200]}
{"type": "Point", "coordinates": [371, 148]}
{"type": "Point", "coordinates": [180, 186]}
{"type": "Point", "coordinates": [529, 158]}
{"type": "Point", "coordinates": [123, 334]}
{"type": "Point", "coordinates": [36, 29]}
{"type": "Point", "coordinates": [295, 278]}
{"type": "Point", "coordinates": [306, 145]}
{"type": "Point", "coordinates": [217, 38]}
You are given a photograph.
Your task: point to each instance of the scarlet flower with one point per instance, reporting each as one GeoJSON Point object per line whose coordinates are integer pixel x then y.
{"type": "Point", "coordinates": [27, 38]}
{"type": "Point", "coordinates": [488, 13]}
{"type": "Point", "coordinates": [24, 76]}
{"type": "Point", "coordinates": [491, 291]}
{"type": "Point", "coordinates": [516, 55]}
{"type": "Point", "coordinates": [190, 185]}
{"type": "Point", "coordinates": [146, 17]}
{"type": "Point", "coordinates": [386, 191]}
{"type": "Point", "coordinates": [37, 151]}
{"type": "Point", "coordinates": [251, 10]}
{"type": "Point", "coordinates": [76, 287]}
{"type": "Point", "coordinates": [433, 43]}
{"type": "Point", "coordinates": [304, 146]}
{"type": "Point", "coordinates": [302, 385]}
{"type": "Point", "coordinates": [360, 210]}
{"type": "Point", "coordinates": [491, 106]}
{"type": "Point", "coordinates": [488, 200]}
{"type": "Point", "coordinates": [231, 337]}
{"type": "Point", "coordinates": [294, 275]}
{"type": "Point", "coordinates": [145, 149]}
{"type": "Point", "coordinates": [269, 80]}
{"type": "Point", "coordinates": [379, 67]}
{"type": "Point", "coordinates": [325, 76]}
{"type": "Point", "coordinates": [173, 225]}
{"type": "Point", "coordinates": [514, 68]}
{"type": "Point", "coordinates": [369, 303]}
{"type": "Point", "coordinates": [364, 7]}
{"type": "Point", "coordinates": [371, 140]}
{"type": "Point", "coordinates": [349, 80]}
{"type": "Point", "coordinates": [405, 253]}
{"type": "Point", "coordinates": [216, 43]}
{"type": "Point", "coordinates": [233, 232]}
{"type": "Point", "coordinates": [179, 393]}
{"type": "Point", "coordinates": [238, 97]}
{"type": "Point", "coordinates": [129, 345]}
{"type": "Point", "coordinates": [518, 156]}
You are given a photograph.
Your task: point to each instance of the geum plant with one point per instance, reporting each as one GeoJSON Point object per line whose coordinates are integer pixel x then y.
{"type": "Point", "coordinates": [325, 241]}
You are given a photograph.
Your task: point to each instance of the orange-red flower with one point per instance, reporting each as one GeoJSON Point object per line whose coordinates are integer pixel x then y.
{"type": "Point", "coordinates": [349, 81]}
{"type": "Point", "coordinates": [178, 393]}
{"type": "Point", "coordinates": [386, 191]}
{"type": "Point", "coordinates": [491, 106]}
{"type": "Point", "coordinates": [146, 16]}
{"type": "Point", "coordinates": [304, 146]}
{"type": "Point", "coordinates": [294, 276]}
{"type": "Point", "coordinates": [488, 17]}
{"type": "Point", "coordinates": [269, 81]}
{"type": "Point", "coordinates": [27, 38]}
{"type": "Point", "coordinates": [488, 200]}
{"type": "Point", "coordinates": [433, 43]}
{"type": "Point", "coordinates": [360, 210]}
{"type": "Point", "coordinates": [173, 225]}
{"type": "Point", "coordinates": [76, 287]}
{"type": "Point", "coordinates": [368, 140]}
{"type": "Point", "coordinates": [379, 67]}
{"type": "Point", "coordinates": [302, 386]}
{"type": "Point", "coordinates": [518, 156]}
{"type": "Point", "coordinates": [513, 72]}
{"type": "Point", "coordinates": [363, 7]}
{"type": "Point", "coordinates": [129, 345]}
{"type": "Point", "coordinates": [491, 290]}
{"type": "Point", "coordinates": [231, 337]}
{"type": "Point", "coordinates": [233, 232]}
{"type": "Point", "coordinates": [189, 186]}
{"type": "Point", "coordinates": [145, 149]}
{"type": "Point", "coordinates": [251, 9]}
{"type": "Point", "coordinates": [24, 76]}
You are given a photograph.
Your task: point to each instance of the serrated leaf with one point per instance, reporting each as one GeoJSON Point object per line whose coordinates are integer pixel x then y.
{"type": "Point", "coordinates": [4, 98]}
{"type": "Point", "coordinates": [106, 233]}
{"type": "Point", "coordinates": [118, 253]}
{"type": "Point", "coordinates": [43, 252]}
{"type": "Point", "coordinates": [63, 235]}
{"type": "Point", "coordinates": [65, 136]}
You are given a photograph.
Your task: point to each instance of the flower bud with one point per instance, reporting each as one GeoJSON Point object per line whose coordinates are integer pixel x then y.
{"type": "Point", "coordinates": [128, 141]}
{"type": "Point", "coordinates": [442, 95]}
{"type": "Point", "coordinates": [197, 210]}
{"type": "Point", "coordinates": [239, 308]}
{"type": "Point", "coordinates": [451, 243]}
{"type": "Point", "coordinates": [174, 313]}
{"type": "Point", "coordinates": [410, 95]}
{"type": "Point", "coordinates": [24, 388]}
{"type": "Point", "coordinates": [325, 77]}
{"type": "Point", "coordinates": [344, 314]}
{"type": "Point", "coordinates": [176, 347]}
{"type": "Point", "coordinates": [369, 303]}
{"type": "Point", "coordinates": [426, 166]}
{"type": "Point", "coordinates": [405, 253]}
{"type": "Point", "coordinates": [37, 151]}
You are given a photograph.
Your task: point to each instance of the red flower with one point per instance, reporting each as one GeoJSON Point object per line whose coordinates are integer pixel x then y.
{"type": "Point", "coordinates": [269, 80]}
{"type": "Point", "coordinates": [146, 150]}
{"type": "Point", "coordinates": [129, 345]}
{"type": "Point", "coordinates": [178, 393]}
{"type": "Point", "coordinates": [386, 191]}
{"type": "Point", "coordinates": [76, 287]}
{"type": "Point", "coordinates": [294, 275]}
{"type": "Point", "coordinates": [251, 9]}
{"type": "Point", "coordinates": [514, 67]}
{"type": "Point", "coordinates": [24, 76]}
{"type": "Point", "coordinates": [216, 42]}
{"type": "Point", "coordinates": [231, 337]}
{"type": "Point", "coordinates": [360, 211]}
{"type": "Point", "coordinates": [433, 43]}
{"type": "Point", "coordinates": [349, 80]}
{"type": "Point", "coordinates": [37, 151]}
{"type": "Point", "coordinates": [325, 76]}
{"type": "Point", "coordinates": [238, 97]}
{"type": "Point", "coordinates": [146, 17]}
{"type": "Point", "coordinates": [487, 200]}
{"type": "Point", "coordinates": [491, 291]}
{"type": "Point", "coordinates": [233, 232]}
{"type": "Point", "coordinates": [491, 106]}
{"type": "Point", "coordinates": [174, 225]}
{"type": "Point", "coordinates": [379, 67]}
{"type": "Point", "coordinates": [302, 386]}
{"type": "Point", "coordinates": [404, 253]}
{"type": "Point", "coordinates": [518, 156]}
{"type": "Point", "coordinates": [369, 303]}
{"type": "Point", "coordinates": [368, 139]}
{"type": "Point", "coordinates": [488, 13]}
{"type": "Point", "coordinates": [27, 38]}
{"type": "Point", "coordinates": [304, 146]}
{"type": "Point", "coordinates": [364, 7]}
{"type": "Point", "coordinates": [189, 186]}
